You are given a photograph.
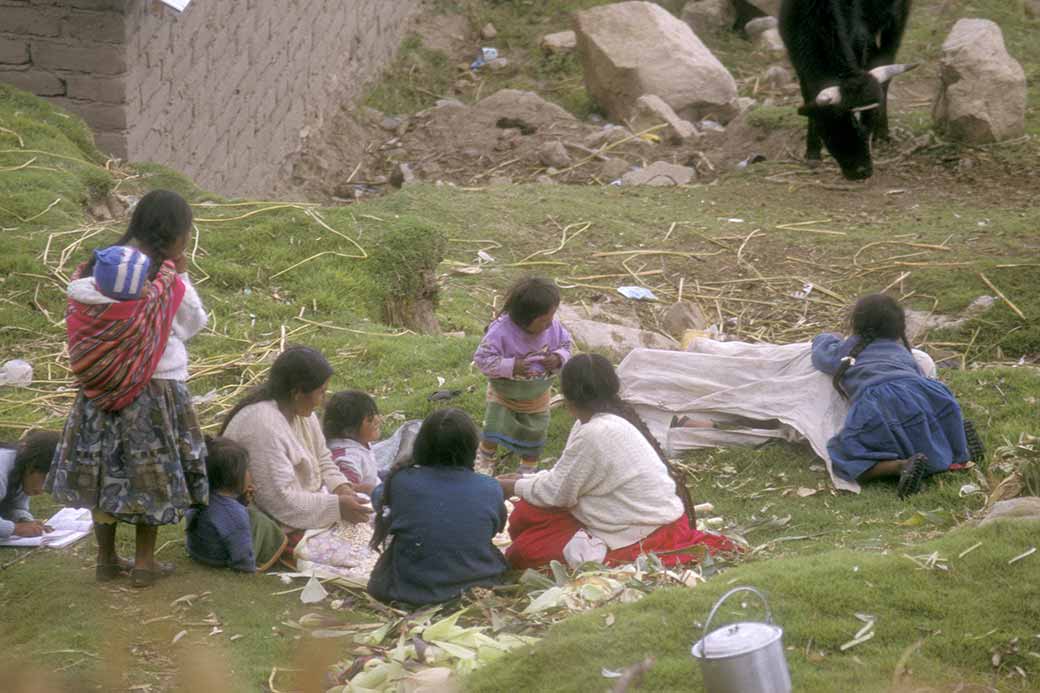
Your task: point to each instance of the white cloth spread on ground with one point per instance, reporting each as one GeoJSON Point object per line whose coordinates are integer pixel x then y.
{"type": "Point", "coordinates": [724, 380]}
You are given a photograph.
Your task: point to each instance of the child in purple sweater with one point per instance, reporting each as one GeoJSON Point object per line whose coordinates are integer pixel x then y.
{"type": "Point", "coordinates": [521, 351]}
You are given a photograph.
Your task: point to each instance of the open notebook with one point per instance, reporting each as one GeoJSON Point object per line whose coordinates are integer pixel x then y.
{"type": "Point", "coordinates": [69, 524]}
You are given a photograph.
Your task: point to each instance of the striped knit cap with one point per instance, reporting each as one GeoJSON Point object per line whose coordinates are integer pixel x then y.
{"type": "Point", "coordinates": [120, 272]}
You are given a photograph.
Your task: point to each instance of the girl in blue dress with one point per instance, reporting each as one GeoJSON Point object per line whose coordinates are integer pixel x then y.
{"type": "Point", "coordinates": [900, 423]}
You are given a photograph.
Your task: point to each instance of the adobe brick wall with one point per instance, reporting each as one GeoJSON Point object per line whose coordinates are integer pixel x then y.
{"type": "Point", "coordinates": [220, 92]}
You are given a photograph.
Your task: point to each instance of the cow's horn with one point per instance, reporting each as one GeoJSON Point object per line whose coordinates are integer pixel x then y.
{"type": "Point", "coordinates": [829, 97]}
{"type": "Point", "coordinates": [883, 73]}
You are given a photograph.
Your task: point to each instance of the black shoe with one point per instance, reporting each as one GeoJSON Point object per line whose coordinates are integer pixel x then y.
{"type": "Point", "coordinates": [976, 450]}
{"type": "Point", "coordinates": [912, 476]}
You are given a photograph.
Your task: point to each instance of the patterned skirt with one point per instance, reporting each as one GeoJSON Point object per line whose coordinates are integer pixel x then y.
{"type": "Point", "coordinates": [144, 464]}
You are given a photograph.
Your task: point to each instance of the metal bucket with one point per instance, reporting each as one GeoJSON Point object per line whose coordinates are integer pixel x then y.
{"type": "Point", "coordinates": [746, 657]}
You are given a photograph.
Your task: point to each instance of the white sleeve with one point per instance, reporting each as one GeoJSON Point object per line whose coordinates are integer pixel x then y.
{"type": "Point", "coordinates": [191, 316]}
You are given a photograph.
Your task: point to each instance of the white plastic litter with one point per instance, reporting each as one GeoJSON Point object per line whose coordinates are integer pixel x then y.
{"type": "Point", "coordinates": [16, 373]}
{"type": "Point", "coordinates": [314, 592]}
{"type": "Point", "coordinates": [637, 293]}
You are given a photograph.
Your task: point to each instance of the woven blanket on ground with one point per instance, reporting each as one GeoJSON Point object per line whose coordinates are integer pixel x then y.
{"type": "Point", "coordinates": [730, 382]}
{"type": "Point", "coordinates": [338, 550]}
{"type": "Point", "coordinates": [114, 348]}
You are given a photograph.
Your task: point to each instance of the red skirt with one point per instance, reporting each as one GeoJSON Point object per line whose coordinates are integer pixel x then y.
{"type": "Point", "coordinates": [539, 536]}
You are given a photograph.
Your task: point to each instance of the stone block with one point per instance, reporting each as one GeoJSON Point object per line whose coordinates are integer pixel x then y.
{"type": "Point", "coordinates": [82, 57]}
{"type": "Point", "coordinates": [14, 51]}
{"type": "Point", "coordinates": [35, 81]}
{"type": "Point", "coordinates": [94, 27]}
{"type": "Point", "coordinates": [100, 116]}
{"type": "Point", "coordinates": [30, 21]}
{"type": "Point", "coordinates": [88, 87]}
{"type": "Point", "coordinates": [112, 143]}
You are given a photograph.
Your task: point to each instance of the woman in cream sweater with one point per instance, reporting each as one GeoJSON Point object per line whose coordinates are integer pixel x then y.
{"type": "Point", "coordinates": [296, 481]}
{"type": "Point", "coordinates": [612, 495]}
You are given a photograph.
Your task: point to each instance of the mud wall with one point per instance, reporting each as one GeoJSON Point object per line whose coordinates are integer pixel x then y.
{"type": "Point", "coordinates": [221, 91]}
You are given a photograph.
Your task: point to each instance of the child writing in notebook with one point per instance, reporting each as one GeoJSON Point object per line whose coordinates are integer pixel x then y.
{"type": "Point", "coordinates": [521, 351]}
{"type": "Point", "coordinates": [23, 470]}
{"type": "Point", "coordinates": [351, 425]}
{"type": "Point", "coordinates": [900, 423]}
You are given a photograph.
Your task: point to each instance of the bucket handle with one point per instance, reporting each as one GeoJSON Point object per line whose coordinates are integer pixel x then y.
{"type": "Point", "coordinates": [723, 598]}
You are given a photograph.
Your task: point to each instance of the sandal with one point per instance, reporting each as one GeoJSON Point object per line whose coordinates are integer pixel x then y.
{"type": "Point", "coordinates": [140, 577]}
{"type": "Point", "coordinates": [976, 450]}
{"type": "Point", "coordinates": [106, 572]}
{"type": "Point", "coordinates": [912, 476]}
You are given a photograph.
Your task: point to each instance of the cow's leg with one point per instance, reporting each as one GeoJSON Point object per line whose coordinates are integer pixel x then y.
{"type": "Point", "coordinates": [813, 143]}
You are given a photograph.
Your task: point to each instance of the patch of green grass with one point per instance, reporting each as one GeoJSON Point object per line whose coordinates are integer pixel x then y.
{"type": "Point", "coordinates": [775, 118]}
{"type": "Point", "coordinates": [416, 79]}
{"type": "Point", "coordinates": [946, 623]}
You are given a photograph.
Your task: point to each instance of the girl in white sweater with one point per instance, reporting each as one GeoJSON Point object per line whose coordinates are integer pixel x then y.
{"type": "Point", "coordinates": [612, 495]}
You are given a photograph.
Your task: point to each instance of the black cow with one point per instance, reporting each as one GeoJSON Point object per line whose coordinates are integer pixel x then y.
{"type": "Point", "coordinates": [844, 53]}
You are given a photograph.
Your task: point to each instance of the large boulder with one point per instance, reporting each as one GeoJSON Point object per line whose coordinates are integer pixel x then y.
{"type": "Point", "coordinates": [982, 94]}
{"type": "Point", "coordinates": [629, 49]}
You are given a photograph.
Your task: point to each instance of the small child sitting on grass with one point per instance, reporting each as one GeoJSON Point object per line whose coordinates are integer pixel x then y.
{"type": "Point", "coordinates": [230, 532]}
{"type": "Point", "coordinates": [351, 424]}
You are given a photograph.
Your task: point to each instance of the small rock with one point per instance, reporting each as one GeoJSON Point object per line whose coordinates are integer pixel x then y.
{"type": "Point", "coordinates": [758, 25]}
{"type": "Point", "coordinates": [769, 41]}
{"type": "Point", "coordinates": [612, 169]}
{"type": "Point", "coordinates": [488, 32]}
{"type": "Point", "coordinates": [560, 42]}
{"type": "Point", "coordinates": [390, 123]}
{"type": "Point", "coordinates": [683, 316]}
{"type": "Point", "coordinates": [660, 174]}
{"type": "Point", "coordinates": [778, 77]}
{"type": "Point", "coordinates": [471, 153]}
{"type": "Point", "coordinates": [745, 103]}
{"type": "Point", "coordinates": [554, 154]}
{"type": "Point", "coordinates": [770, 7]}
{"type": "Point", "coordinates": [498, 181]}
{"type": "Point", "coordinates": [708, 16]}
{"type": "Point", "coordinates": [651, 110]}
{"type": "Point", "coordinates": [402, 175]}
{"type": "Point", "coordinates": [498, 64]}
{"type": "Point", "coordinates": [449, 103]}
{"type": "Point", "coordinates": [372, 115]}
{"type": "Point", "coordinates": [609, 134]}
{"type": "Point", "coordinates": [545, 180]}
{"type": "Point", "coordinates": [1026, 508]}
